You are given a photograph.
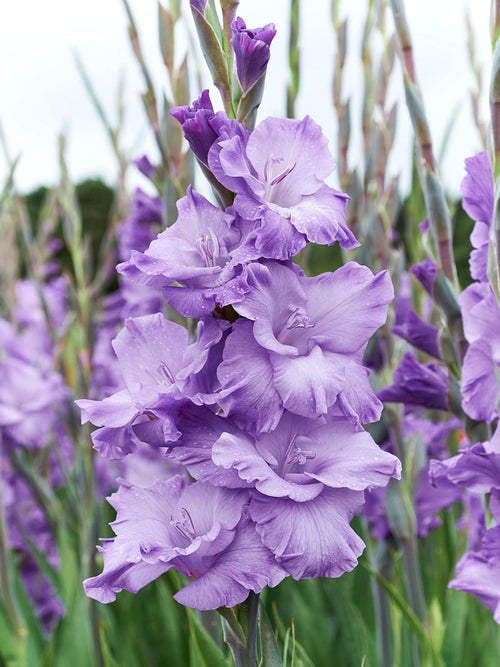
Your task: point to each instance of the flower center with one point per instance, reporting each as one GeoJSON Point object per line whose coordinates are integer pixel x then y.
{"type": "Point", "coordinates": [295, 455]}
{"type": "Point", "coordinates": [300, 456]}
{"type": "Point", "coordinates": [208, 248]}
{"type": "Point", "coordinates": [298, 319]}
{"type": "Point", "coordinates": [184, 525]}
{"type": "Point", "coordinates": [270, 179]}
{"type": "Point", "coordinates": [161, 375]}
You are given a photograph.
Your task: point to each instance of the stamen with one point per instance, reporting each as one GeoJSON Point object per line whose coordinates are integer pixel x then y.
{"type": "Point", "coordinates": [287, 454]}
{"type": "Point", "coordinates": [268, 169]}
{"type": "Point", "coordinates": [284, 174]}
{"type": "Point", "coordinates": [299, 319]}
{"type": "Point", "coordinates": [164, 370]}
{"type": "Point", "coordinates": [185, 526]}
{"type": "Point", "coordinates": [300, 456]}
{"type": "Point", "coordinates": [208, 247]}
{"type": "Point", "coordinates": [161, 374]}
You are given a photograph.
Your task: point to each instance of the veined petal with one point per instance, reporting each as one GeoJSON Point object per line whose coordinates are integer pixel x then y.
{"type": "Point", "coordinates": [322, 218]}
{"type": "Point", "coordinates": [347, 306]}
{"type": "Point", "coordinates": [244, 566]}
{"type": "Point", "coordinates": [114, 411]}
{"type": "Point", "coordinates": [311, 539]}
{"type": "Point", "coordinates": [308, 385]}
{"type": "Point", "coordinates": [246, 376]}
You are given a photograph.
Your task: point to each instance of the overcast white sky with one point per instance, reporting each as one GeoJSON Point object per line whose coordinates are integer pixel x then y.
{"type": "Point", "coordinates": [41, 92]}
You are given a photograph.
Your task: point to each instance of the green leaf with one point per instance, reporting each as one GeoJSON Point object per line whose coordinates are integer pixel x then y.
{"type": "Point", "coordinates": [269, 647]}
{"type": "Point", "coordinates": [409, 615]}
{"type": "Point", "coordinates": [203, 651]}
{"type": "Point", "coordinates": [166, 24]}
{"type": "Point", "coordinates": [212, 50]}
{"type": "Point", "coordinates": [35, 639]}
{"type": "Point", "coordinates": [11, 645]}
{"type": "Point", "coordinates": [73, 638]}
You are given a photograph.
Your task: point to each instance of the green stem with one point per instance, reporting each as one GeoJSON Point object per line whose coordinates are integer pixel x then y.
{"type": "Point", "coordinates": [382, 563]}
{"type": "Point", "coordinates": [293, 59]}
{"type": "Point", "coordinates": [5, 579]}
{"type": "Point", "coordinates": [243, 644]}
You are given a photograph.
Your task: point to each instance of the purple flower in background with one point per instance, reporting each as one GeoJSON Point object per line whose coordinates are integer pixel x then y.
{"type": "Point", "coordinates": [201, 251]}
{"type": "Point", "coordinates": [308, 476]}
{"type": "Point", "coordinates": [478, 571]}
{"type": "Point", "coordinates": [138, 230]}
{"type": "Point", "coordinates": [201, 530]}
{"type": "Point", "coordinates": [278, 173]}
{"type": "Point", "coordinates": [426, 273]}
{"type": "Point", "coordinates": [477, 468]}
{"type": "Point", "coordinates": [302, 344]}
{"type": "Point", "coordinates": [251, 51]}
{"type": "Point", "coordinates": [30, 338]}
{"type": "Point", "coordinates": [29, 402]}
{"type": "Point", "coordinates": [145, 167]}
{"type": "Point", "coordinates": [477, 190]}
{"type": "Point", "coordinates": [430, 494]}
{"type": "Point", "coordinates": [198, 5]}
{"type": "Point", "coordinates": [481, 318]}
{"type": "Point", "coordinates": [27, 526]}
{"type": "Point", "coordinates": [418, 384]}
{"type": "Point", "coordinates": [420, 334]}
{"type": "Point", "coordinates": [403, 304]}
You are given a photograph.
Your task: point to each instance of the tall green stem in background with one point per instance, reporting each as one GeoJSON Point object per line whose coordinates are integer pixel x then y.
{"type": "Point", "coordinates": [437, 207]}
{"type": "Point", "coordinates": [293, 59]}
{"type": "Point", "coordinates": [6, 596]}
{"type": "Point", "coordinates": [494, 254]}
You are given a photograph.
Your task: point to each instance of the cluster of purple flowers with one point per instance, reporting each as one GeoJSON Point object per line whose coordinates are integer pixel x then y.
{"type": "Point", "coordinates": [264, 406]}
{"type": "Point", "coordinates": [418, 386]}
{"type": "Point", "coordinates": [477, 467]}
{"type": "Point", "coordinates": [33, 402]}
{"type": "Point", "coordinates": [475, 470]}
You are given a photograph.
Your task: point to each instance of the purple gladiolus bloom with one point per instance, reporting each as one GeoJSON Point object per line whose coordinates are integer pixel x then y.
{"type": "Point", "coordinates": [202, 251]}
{"type": "Point", "coordinates": [480, 576]}
{"type": "Point", "coordinates": [309, 476]}
{"type": "Point", "coordinates": [145, 167]}
{"type": "Point", "coordinates": [27, 525]}
{"type": "Point", "coordinates": [199, 5]}
{"type": "Point", "coordinates": [418, 384]}
{"type": "Point", "coordinates": [478, 571]}
{"type": "Point", "coordinates": [201, 530]}
{"type": "Point", "coordinates": [477, 190]}
{"type": "Point", "coordinates": [420, 334]}
{"type": "Point", "coordinates": [159, 369]}
{"type": "Point", "coordinates": [477, 468]}
{"type": "Point", "coordinates": [278, 173]}
{"type": "Point", "coordinates": [29, 398]}
{"type": "Point", "coordinates": [409, 325]}
{"type": "Point", "coordinates": [426, 273]}
{"type": "Point", "coordinates": [481, 318]}
{"type": "Point", "coordinates": [149, 350]}
{"type": "Point", "coordinates": [303, 351]}
{"type": "Point", "coordinates": [432, 493]}
{"type": "Point", "coordinates": [251, 51]}
{"type": "Point", "coordinates": [202, 126]}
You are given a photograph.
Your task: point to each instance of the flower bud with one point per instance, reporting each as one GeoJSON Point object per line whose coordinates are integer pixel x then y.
{"type": "Point", "coordinates": [251, 50]}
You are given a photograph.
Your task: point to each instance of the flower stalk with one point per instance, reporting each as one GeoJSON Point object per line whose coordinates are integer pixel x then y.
{"type": "Point", "coordinates": [432, 187]}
